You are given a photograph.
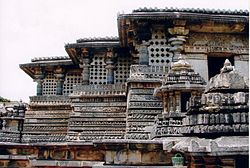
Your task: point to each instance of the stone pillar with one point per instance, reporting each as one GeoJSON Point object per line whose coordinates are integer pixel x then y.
{"type": "Point", "coordinates": [59, 84]}
{"type": "Point", "coordinates": [179, 38]}
{"type": "Point", "coordinates": [171, 103]}
{"type": "Point", "coordinates": [59, 74]}
{"type": "Point", "coordinates": [143, 53]}
{"type": "Point", "coordinates": [166, 100]}
{"type": "Point", "coordinates": [85, 64]}
{"type": "Point", "coordinates": [39, 88]}
{"type": "Point", "coordinates": [178, 101]}
{"type": "Point", "coordinates": [110, 66]}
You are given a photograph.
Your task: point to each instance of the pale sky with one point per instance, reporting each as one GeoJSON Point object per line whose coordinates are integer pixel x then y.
{"type": "Point", "coordinates": [40, 28]}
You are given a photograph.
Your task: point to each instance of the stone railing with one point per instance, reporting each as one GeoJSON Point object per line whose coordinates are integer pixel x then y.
{"type": "Point", "coordinates": [147, 72]}
{"type": "Point", "coordinates": [99, 90]}
{"type": "Point", "coordinates": [49, 100]}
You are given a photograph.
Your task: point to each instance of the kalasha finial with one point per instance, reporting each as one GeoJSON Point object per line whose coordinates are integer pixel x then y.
{"type": "Point", "coordinates": [227, 67]}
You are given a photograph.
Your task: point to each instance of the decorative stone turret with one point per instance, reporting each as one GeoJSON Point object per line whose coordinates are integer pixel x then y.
{"type": "Point", "coordinates": [11, 121]}
{"type": "Point", "coordinates": [222, 109]}
{"type": "Point", "coordinates": [180, 84]}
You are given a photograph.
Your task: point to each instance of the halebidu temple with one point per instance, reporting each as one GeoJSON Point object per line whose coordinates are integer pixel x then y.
{"type": "Point", "coordinates": [170, 91]}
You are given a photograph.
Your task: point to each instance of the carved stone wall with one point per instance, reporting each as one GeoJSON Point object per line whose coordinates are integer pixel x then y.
{"type": "Point", "coordinates": [47, 119]}
{"type": "Point", "coordinates": [210, 43]}
{"type": "Point", "coordinates": [142, 109]}
{"type": "Point", "coordinates": [99, 112]}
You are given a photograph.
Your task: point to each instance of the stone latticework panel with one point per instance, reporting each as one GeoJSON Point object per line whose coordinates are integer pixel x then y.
{"type": "Point", "coordinates": [159, 49]}
{"type": "Point", "coordinates": [71, 79]}
{"type": "Point", "coordinates": [49, 84]}
{"type": "Point", "coordinates": [121, 73]}
{"type": "Point", "coordinates": [98, 72]}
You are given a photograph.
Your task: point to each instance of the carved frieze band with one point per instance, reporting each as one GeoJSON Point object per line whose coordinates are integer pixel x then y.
{"type": "Point", "coordinates": [145, 104]}
{"type": "Point", "coordinates": [49, 100]}
{"type": "Point", "coordinates": [142, 91]}
{"type": "Point", "coordinates": [206, 43]}
{"type": "Point", "coordinates": [94, 90]}
{"type": "Point", "coordinates": [100, 99]}
{"type": "Point", "coordinates": [147, 72]}
{"type": "Point", "coordinates": [97, 123]}
{"type": "Point", "coordinates": [151, 111]}
{"type": "Point", "coordinates": [97, 119]}
{"type": "Point", "coordinates": [119, 114]}
{"type": "Point", "coordinates": [99, 109]}
{"type": "Point", "coordinates": [143, 98]}
{"type": "Point", "coordinates": [114, 104]}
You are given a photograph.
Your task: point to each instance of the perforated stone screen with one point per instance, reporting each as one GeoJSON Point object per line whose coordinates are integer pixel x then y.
{"type": "Point", "coordinates": [159, 49]}
{"type": "Point", "coordinates": [98, 71]}
{"type": "Point", "coordinates": [122, 69]}
{"type": "Point", "coordinates": [49, 84]}
{"type": "Point", "coordinates": [71, 79]}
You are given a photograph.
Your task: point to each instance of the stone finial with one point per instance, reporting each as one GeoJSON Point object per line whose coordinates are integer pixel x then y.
{"type": "Point", "coordinates": [227, 67]}
{"type": "Point", "coordinates": [181, 64]}
{"type": "Point", "coordinates": [228, 78]}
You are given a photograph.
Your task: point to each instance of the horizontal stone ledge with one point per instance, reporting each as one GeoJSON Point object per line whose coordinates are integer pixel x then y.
{"type": "Point", "coordinates": [91, 95]}
{"type": "Point", "coordinates": [16, 157]}
{"type": "Point", "coordinates": [118, 166]}
{"type": "Point", "coordinates": [65, 163]}
{"type": "Point", "coordinates": [114, 104]}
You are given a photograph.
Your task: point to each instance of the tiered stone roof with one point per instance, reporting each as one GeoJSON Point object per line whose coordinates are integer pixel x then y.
{"type": "Point", "coordinates": [194, 10]}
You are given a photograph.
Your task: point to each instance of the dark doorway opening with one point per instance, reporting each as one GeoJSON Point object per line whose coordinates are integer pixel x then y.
{"type": "Point", "coordinates": [242, 161]}
{"type": "Point", "coordinates": [184, 98]}
{"type": "Point", "coordinates": [215, 63]}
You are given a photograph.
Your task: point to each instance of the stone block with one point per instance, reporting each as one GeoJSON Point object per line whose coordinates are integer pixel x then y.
{"type": "Point", "coordinates": [121, 157]}
{"type": "Point", "coordinates": [134, 157]}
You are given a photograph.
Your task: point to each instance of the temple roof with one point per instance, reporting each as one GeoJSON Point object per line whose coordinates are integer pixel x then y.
{"type": "Point", "coordinates": [96, 39]}
{"type": "Point", "coordinates": [127, 23]}
{"type": "Point", "coordinates": [99, 42]}
{"type": "Point", "coordinates": [194, 10]}
{"type": "Point", "coordinates": [53, 58]}
{"type": "Point", "coordinates": [94, 43]}
{"type": "Point", "coordinates": [40, 62]}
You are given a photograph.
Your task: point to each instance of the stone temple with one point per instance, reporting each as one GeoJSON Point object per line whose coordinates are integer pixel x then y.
{"type": "Point", "coordinates": [171, 91]}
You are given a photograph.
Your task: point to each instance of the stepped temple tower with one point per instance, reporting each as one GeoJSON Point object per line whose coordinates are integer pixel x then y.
{"type": "Point", "coordinates": [171, 91]}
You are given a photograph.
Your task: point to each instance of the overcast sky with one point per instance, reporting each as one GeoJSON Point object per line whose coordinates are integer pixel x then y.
{"type": "Point", "coordinates": [40, 28]}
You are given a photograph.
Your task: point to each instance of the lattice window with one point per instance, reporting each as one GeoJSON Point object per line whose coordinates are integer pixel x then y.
{"type": "Point", "coordinates": [71, 79]}
{"type": "Point", "coordinates": [122, 69]}
{"type": "Point", "coordinates": [159, 49]}
{"type": "Point", "coordinates": [98, 71]}
{"type": "Point", "coordinates": [49, 84]}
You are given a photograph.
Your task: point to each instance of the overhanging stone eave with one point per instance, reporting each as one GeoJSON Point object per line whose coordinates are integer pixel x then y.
{"type": "Point", "coordinates": [27, 70]}
{"type": "Point", "coordinates": [186, 15]}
